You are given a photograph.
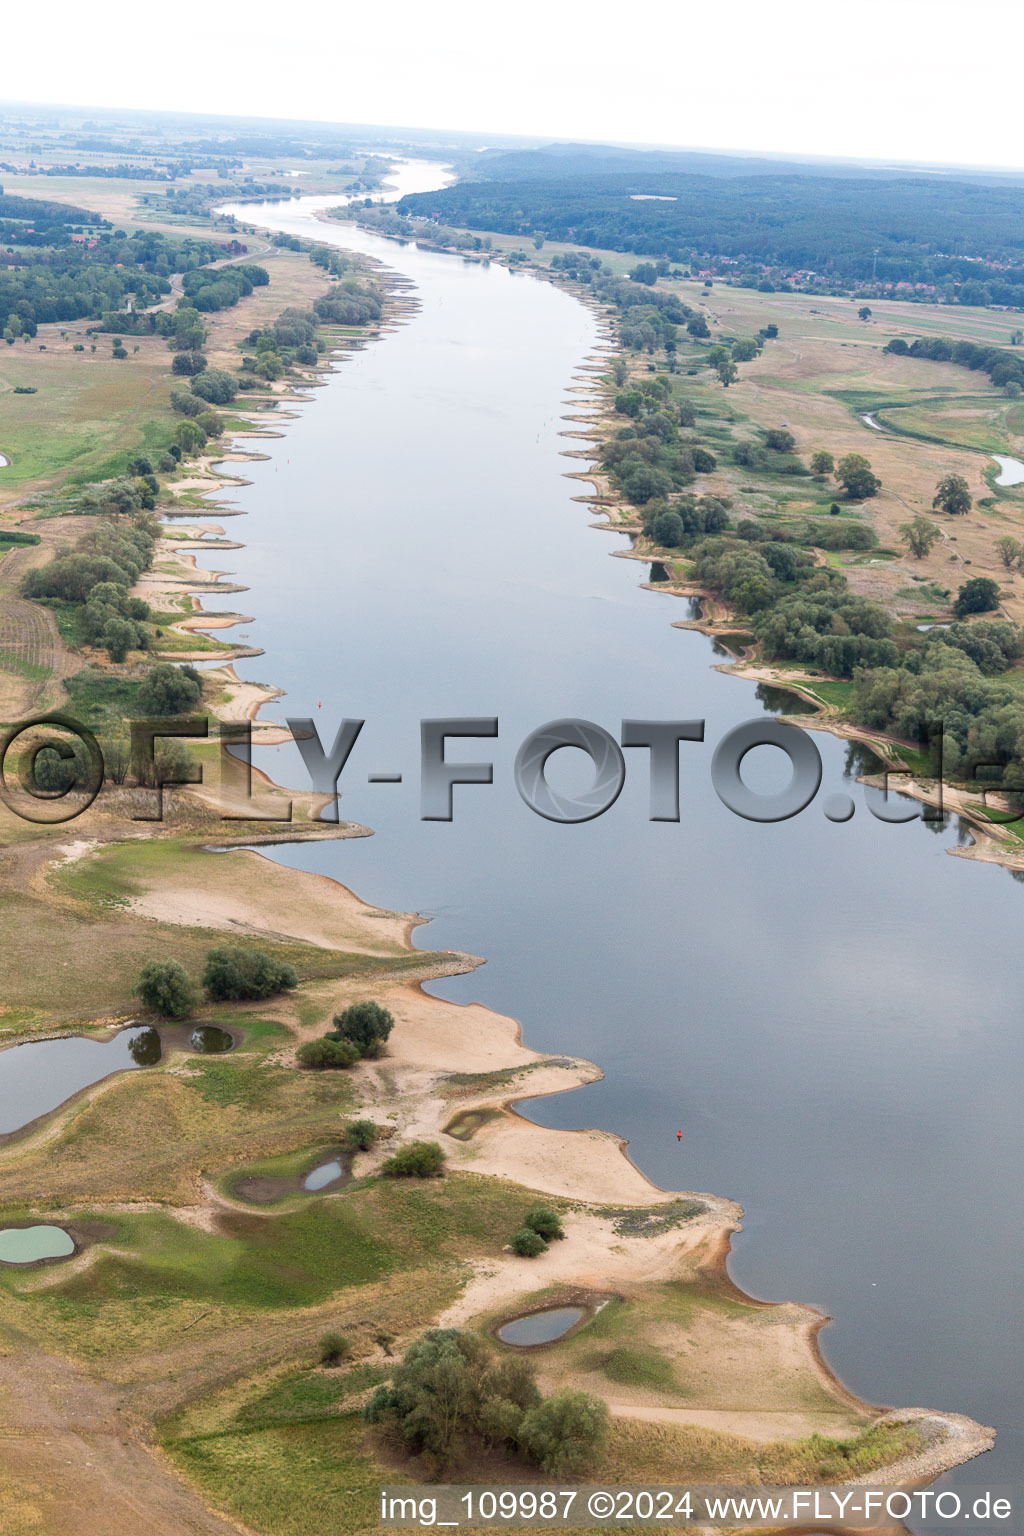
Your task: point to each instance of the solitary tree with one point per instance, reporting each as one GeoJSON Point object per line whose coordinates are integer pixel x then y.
{"type": "Point", "coordinates": [781, 439]}
{"type": "Point", "coordinates": [727, 372]}
{"type": "Point", "coordinates": [1010, 551]}
{"type": "Point", "coordinates": [364, 1025]}
{"type": "Point", "coordinates": [979, 595]}
{"type": "Point", "coordinates": [864, 313]}
{"type": "Point", "coordinates": [953, 495]}
{"type": "Point", "coordinates": [919, 536]}
{"type": "Point", "coordinates": [855, 475]}
{"type": "Point", "coordinates": [822, 462]}
{"type": "Point", "coordinates": [165, 987]}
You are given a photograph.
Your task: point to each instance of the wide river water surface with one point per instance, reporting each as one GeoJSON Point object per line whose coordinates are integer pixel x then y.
{"type": "Point", "coordinates": [827, 1010]}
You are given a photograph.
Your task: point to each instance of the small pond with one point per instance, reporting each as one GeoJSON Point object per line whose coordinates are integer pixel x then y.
{"type": "Point", "coordinates": [540, 1327]}
{"type": "Point", "coordinates": [209, 1040]}
{"type": "Point", "coordinates": [334, 1173]}
{"type": "Point", "coordinates": [1011, 471]}
{"type": "Point", "coordinates": [40, 1075]}
{"type": "Point", "coordinates": [27, 1245]}
{"type": "Point", "coordinates": [327, 1173]}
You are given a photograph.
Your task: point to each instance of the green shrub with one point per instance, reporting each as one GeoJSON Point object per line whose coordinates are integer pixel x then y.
{"type": "Point", "coordinates": [188, 364]}
{"type": "Point", "coordinates": [418, 1160]}
{"type": "Point", "coordinates": [165, 987]}
{"type": "Point", "coordinates": [366, 1025]}
{"type": "Point", "coordinates": [237, 974]}
{"type": "Point", "coordinates": [169, 690]}
{"type": "Point", "coordinates": [447, 1394]}
{"type": "Point", "coordinates": [564, 1433]}
{"type": "Point", "coordinates": [979, 595]}
{"type": "Point", "coordinates": [333, 1349]}
{"type": "Point", "coordinates": [215, 386]}
{"type": "Point", "coordinates": [171, 762]}
{"type": "Point", "coordinates": [361, 1134]}
{"type": "Point", "coordinates": [528, 1244]}
{"type": "Point", "coordinates": [545, 1223]}
{"type": "Point", "coordinates": [189, 436]}
{"type": "Point", "coordinates": [327, 1055]}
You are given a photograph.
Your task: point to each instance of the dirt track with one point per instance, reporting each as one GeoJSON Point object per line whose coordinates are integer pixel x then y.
{"type": "Point", "coordinates": [69, 1446]}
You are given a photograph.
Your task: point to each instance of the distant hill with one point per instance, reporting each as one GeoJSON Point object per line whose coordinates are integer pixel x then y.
{"type": "Point", "coordinates": [563, 161]}
{"type": "Point", "coordinates": [927, 229]}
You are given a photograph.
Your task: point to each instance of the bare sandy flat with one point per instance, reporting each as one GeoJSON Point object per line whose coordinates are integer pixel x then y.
{"type": "Point", "coordinates": [258, 896]}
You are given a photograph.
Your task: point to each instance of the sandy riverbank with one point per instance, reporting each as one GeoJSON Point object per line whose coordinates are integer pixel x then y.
{"type": "Point", "coordinates": [413, 1090]}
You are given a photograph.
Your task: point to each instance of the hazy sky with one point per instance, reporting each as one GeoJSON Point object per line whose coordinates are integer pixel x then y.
{"type": "Point", "coordinates": [908, 79]}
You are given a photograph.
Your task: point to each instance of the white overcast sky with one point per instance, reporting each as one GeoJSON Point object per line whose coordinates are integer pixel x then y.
{"type": "Point", "coordinates": [934, 80]}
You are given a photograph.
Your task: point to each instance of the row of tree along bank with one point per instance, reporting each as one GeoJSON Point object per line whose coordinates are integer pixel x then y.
{"type": "Point", "coordinates": [947, 688]}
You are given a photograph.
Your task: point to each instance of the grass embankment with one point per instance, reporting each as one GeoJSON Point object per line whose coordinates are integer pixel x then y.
{"type": "Point", "coordinates": [98, 916]}
{"type": "Point", "coordinates": [90, 414]}
{"type": "Point", "coordinates": [206, 1312]}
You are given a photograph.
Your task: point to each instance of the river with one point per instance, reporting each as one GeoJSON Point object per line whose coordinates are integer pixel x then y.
{"type": "Point", "coordinates": [829, 1011]}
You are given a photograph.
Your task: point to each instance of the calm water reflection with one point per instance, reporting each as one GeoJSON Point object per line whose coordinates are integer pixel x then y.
{"type": "Point", "coordinates": [830, 1011]}
{"type": "Point", "coordinates": [36, 1077]}
{"type": "Point", "coordinates": [540, 1327]}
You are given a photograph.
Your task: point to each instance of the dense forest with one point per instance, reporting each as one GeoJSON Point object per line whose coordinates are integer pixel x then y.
{"type": "Point", "coordinates": [562, 160]}
{"type": "Point", "coordinates": [48, 273]}
{"type": "Point", "coordinates": [913, 229]}
{"type": "Point", "coordinates": [79, 282]}
{"type": "Point", "coordinates": [36, 214]}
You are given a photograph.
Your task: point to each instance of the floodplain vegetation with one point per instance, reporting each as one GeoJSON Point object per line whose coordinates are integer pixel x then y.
{"type": "Point", "coordinates": [824, 474]}
{"type": "Point", "coordinates": [283, 1346]}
